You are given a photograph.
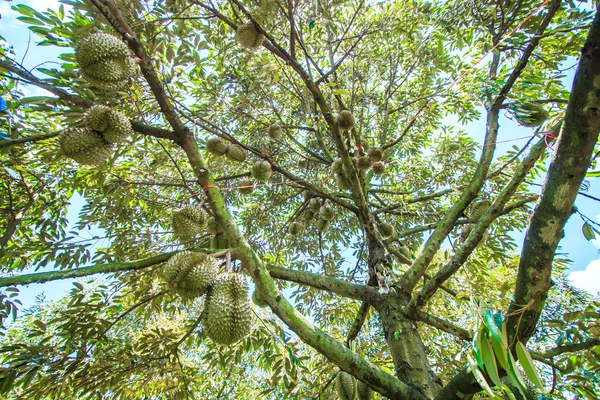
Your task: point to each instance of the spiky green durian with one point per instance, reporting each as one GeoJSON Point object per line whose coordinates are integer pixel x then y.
{"type": "Point", "coordinates": [295, 228]}
{"type": "Point", "coordinates": [326, 212]}
{"type": "Point", "coordinates": [478, 209]}
{"type": "Point", "coordinates": [342, 181]}
{"type": "Point", "coordinates": [227, 312]}
{"type": "Point", "coordinates": [530, 114]}
{"type": "Point", "coordinates": [405, 251]}
{"type": "Point", "coordinates": [345, 120]}
{"type": "Point", "coordinates": [309, 215]}
{"type": "Point", "coordinates": [212, 226]}
{"type": "Point", "coordinates": [345, 386]}
{"type": "Point", "coordinates": [249, 37]}
{"type": "Point", "coordinates": [258, 299]}
{"type": "Point", "coordinates": [188, 222]}
{"type": "Point", "coordinates": [114, 126]}
{"type": "Point", "coordinates": [378, 168]}
{"type": "Point", "coordinates": [386, 229]}
{"type": "Point", "coordinates": [190, 274]}
{"type": "Point", "coordinates": [364, 163]}
{"type": "Point", "coordinates": [84, 146]}
{"type": "Point", "coordinates": [261, 170]}
{"type": "Point", "coordinates": [216, 146]}
{"type": "Point", "coordinates": [236, 152]}
{"type": "Point", "coordinates": [275, 132]}
{"type": "Point", "coordinates": [245, 186]}
{"type": "Point", "coordinates": [375, 154]}
{"type": "Point", "coordinates": [306, 194]}
{"type": "Point", "coordinates": [322, 224]}
{"type": "Point", "coordinates": [363, 391]}
{"type": "Point", "coordinates": [314, 204]}
{"type": "Point", "coordinates": [337, 166]}
{"type": "Point", "coordinates": [104, 61]}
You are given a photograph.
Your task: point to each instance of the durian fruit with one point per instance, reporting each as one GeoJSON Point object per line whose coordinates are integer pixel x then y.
{"type": "Point", "coordinates": [261, 170]}
{"type": "Point", "coordinates": [337, 166]}
{"type": "Point", "coordinates": [322, 224]}
{"type": "Point", "coordinates": [275, 132]}
{"type": "Point", "coordinates": [345, 386]}
{"type": "Point", "coordinates": [386, 229]}
{"type": "Point", "coordinates": [188, 222]}
{"type": "Point", "coordinates": [84, 146]}
{"type": "Point", "coordinates": [378, 168]}
{"type": "Point", "coordinates": [295, 228]}
{"type": "Point", "coordinates": [248, 36]}
{"type": "Point", "coordinates": [345, 120]}
{"type": "Point", "coordinates": [113, 125]}
{"type": "Point", "coordinates": [530, 114]}
{"type": "Point", "coordinates": [314, 204]}
{"type": "Point", "coordinates": [326, 212]}
{"type": "Point", "coordinates": [190, 274]}
{"type": "Point", "coordinates": [309, 215]}
{"type": "Point", "coordinates": [236, 152]}
{"type": "Point", "coordinates": [212, 226]}
{"type": "Point", "coordinates": [258, 299]}
{"type": "Point", "coordinates": [363, 391]}
{"type": "Point", "coordinates": [375, 154]}
{"type": "Point", "coordinates": [405, 251]}
{"type": "Point", "coordinates": [216, 146]}
{"type": "Point", "coordinates": [364, 163]}
{"type": "Point", "coordinates": [104, 61]}
{"type": "Point", "coordinates": [227, 312]}
{"type": "Point", "coordinates": [342, 181]}
{"type": "Point", "coordinates": [478, 209]}
{"type": "Point", "coordinates": [245, 186]}
{"type": "Point", "coordinates": [306, 194]}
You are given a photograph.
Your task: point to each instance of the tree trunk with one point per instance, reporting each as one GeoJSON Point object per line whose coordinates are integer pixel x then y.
{"type": "Point", "coordinates": [406, 347]}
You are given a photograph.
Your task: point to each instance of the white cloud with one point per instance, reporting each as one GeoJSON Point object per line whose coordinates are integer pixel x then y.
{"type": "Point", "coordinates": [588, 279]}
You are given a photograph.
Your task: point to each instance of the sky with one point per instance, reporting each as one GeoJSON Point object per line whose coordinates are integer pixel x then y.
{"type": "Point", "coordinates": [585, 255]}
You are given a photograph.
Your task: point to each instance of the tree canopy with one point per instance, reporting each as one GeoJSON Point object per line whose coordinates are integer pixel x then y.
{"type": "Point", "coordinates": [315, 150]}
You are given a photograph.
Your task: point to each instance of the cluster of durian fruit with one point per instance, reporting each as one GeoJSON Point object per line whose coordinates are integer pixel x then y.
{"type": "Point", "coordinates": [349, 388]}
{"type": "Point", "coordinates": [93, 143]}
{"type": "Point", "coordinates": [105, 62]}
{"type": "Point", "coordinates": [227, 311]}
{"type": "Point", "coordinates": [316, 209]}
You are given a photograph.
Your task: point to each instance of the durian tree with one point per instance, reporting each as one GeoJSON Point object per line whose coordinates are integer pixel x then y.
{"type": "Point", "coordinates": [305, 148]}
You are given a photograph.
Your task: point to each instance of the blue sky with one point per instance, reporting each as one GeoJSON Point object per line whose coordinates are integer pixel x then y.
{"type": "Point", "coordinates": [585, 255]}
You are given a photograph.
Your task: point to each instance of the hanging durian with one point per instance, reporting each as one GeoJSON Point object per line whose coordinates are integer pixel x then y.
{"type": "Point", "coordinates": [405, 251]}
{"type": "Point", "coordinates": [386, 229]}
{"type": "Point", "coordinates": [478, 209]}
{"type": "Point", "coordinates": [190, 274]}
{"type": "Point", "coordinates": [378, 168]}
{"type": "Point", "coordinates": [261, 170]}
{"type": "Point", "coordinates": [345, 386]}
{"type": "Point", "coordinates": [212, 226]}
{"type": "Point", "coordinates": [85, 146]}
{"type": "Point", "coordinates": [529, 114]}
{"type": "Point", "coordinates": [326, 212]}
{"type": "Point", "coordinates": [345, 120]}
{"type": "Point", "coordinates": [375, 154]}
{"type": "Point", "coordinates": [275, 132]}
{"type": "Point", "coordinates": [249, 37]}
{"type": "Point", "coordinates": [322, 224]}
{"type": "Point", "coordinates": [188, 222]}
{"type": "Point", "coordinates": [104, 61]}
{"type": "Point", "coordinates": [113, 125]}
{"type": "Point", "coordinates": [216, 146]}
{"type": "Point", "coordinates": [363, 391]}
{"type": "Point", "coordinates": [337, 166]}
{"type": "Point", "coordinates": [314, 204]}
{"type": "Point", "coordinates": [364, 163]}
{"type": "Point", "coordinates": [235, 152]}
{"type": "Point", "coordinates": [342, 181]}
{"type": "Point", "coordinates": [295, 228]}
{"type": "Point", "coordinates": [227, 312]}
{"type": "Point", "coordinates": [245, 186]}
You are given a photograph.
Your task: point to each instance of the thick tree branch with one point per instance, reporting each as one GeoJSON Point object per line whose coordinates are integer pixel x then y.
{"type": "Point", "coordinates": [337, 286]}
{"type": "Point", "coordinates": [30, 139]}
{"type": "Point", "coordinates": [567, 170]}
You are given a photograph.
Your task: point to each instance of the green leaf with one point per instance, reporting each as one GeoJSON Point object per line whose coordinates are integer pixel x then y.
{"type": "Point", "coordinates": [500, 351]}
{"type": "Point", "coordinates": [528, 366]}
{"type": "Point", "coordinates": [489, 361]}
{"type": "Point", "coordinates": [588, 231]}
{"type": "Point", "coordinates": [479, 376]}
{"type": "Point", "coordinates": [490, 323]}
